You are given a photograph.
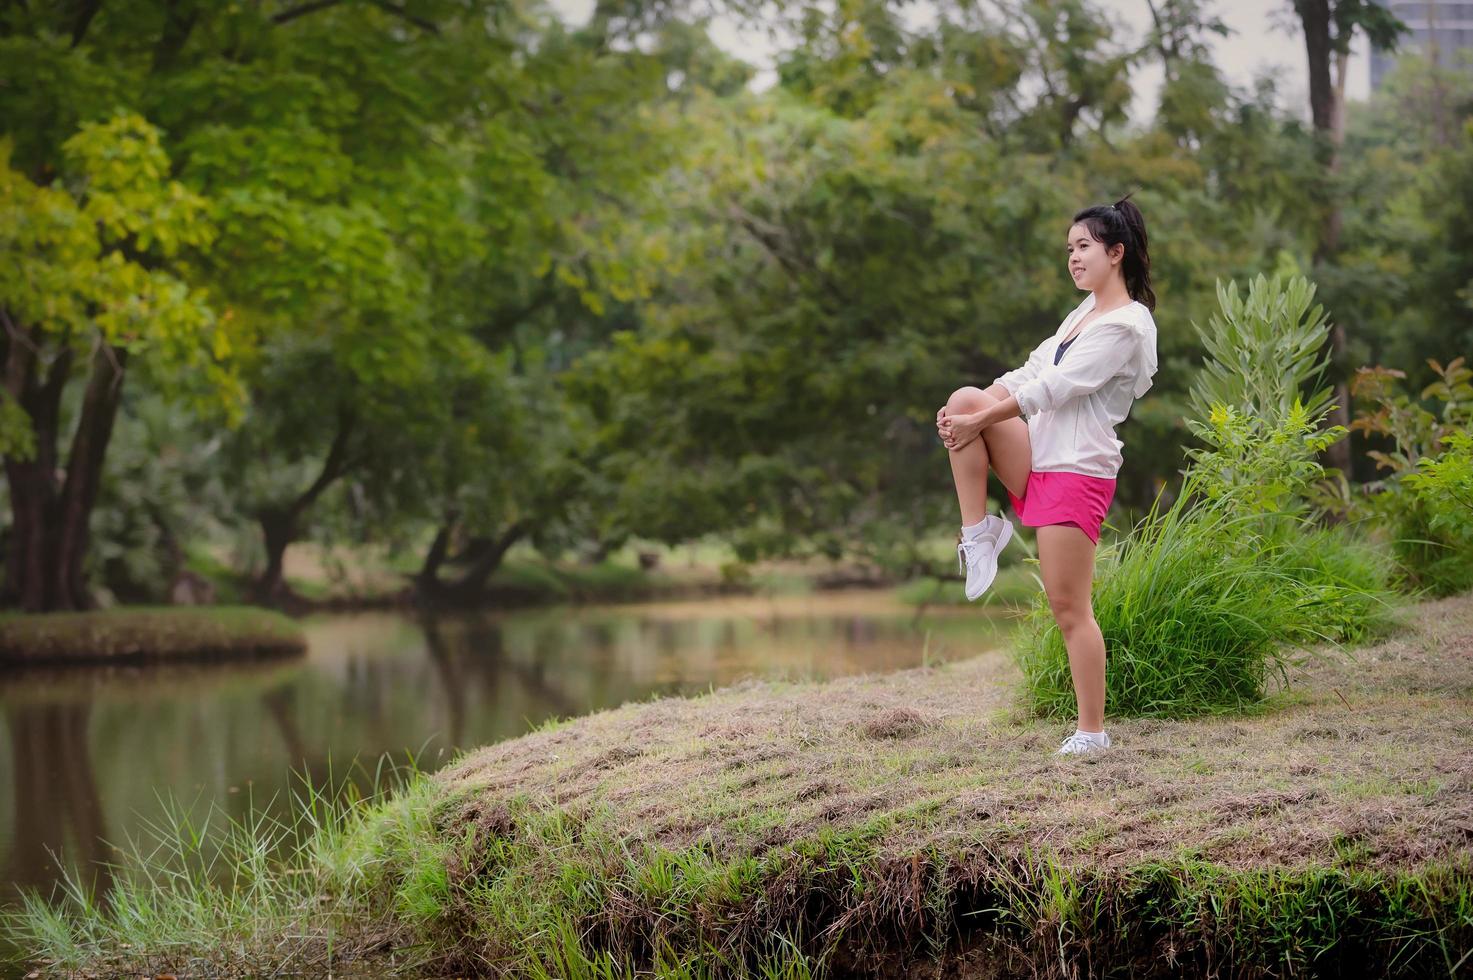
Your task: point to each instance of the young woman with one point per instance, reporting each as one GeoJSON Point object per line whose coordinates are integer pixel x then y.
{"type": "Point", "coordinates": [1059, 460]}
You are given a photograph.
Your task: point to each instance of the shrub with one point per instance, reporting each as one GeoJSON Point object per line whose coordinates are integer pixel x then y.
{"type": "Point", "coordinates": [1202, 605]}
{"type": "Point", "coordinates": [1420, 505]}
{"type": "Point", "coordinates": [1442, 488]}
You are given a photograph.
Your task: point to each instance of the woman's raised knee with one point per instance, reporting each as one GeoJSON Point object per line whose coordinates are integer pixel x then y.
{"type": "Point", "coordinates": [968, 399]}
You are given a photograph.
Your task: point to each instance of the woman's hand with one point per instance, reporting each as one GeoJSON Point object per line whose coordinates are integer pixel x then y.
{"type": "Point", "coordinates": [957, 430]}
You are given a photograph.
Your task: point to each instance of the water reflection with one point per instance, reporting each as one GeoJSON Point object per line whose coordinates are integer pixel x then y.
{"type": "Point", "coordinates": [91, 751]}
{"type": "Point", "coordinates": [58, 809]}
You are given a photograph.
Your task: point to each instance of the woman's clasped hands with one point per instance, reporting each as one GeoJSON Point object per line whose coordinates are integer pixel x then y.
{"type": "Point", "coordinates": [957, 430]}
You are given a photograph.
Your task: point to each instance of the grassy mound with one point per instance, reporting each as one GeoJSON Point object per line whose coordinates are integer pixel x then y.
{"type": "Point", "coordinates": [147, 634]}
{"type": "Point", "coordinates": [899, 825]}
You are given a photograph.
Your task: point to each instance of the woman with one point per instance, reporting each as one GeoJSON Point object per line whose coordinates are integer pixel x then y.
{"type": "Point", "coordinates": [1059, 465]}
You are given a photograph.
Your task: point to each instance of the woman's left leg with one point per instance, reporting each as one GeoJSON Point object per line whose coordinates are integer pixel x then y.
{"type": "Point", "coordinates": [1067, 557]}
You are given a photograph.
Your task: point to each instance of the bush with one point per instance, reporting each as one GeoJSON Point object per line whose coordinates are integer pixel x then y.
{"type": "Point", "coordinates": [1442, 490]}
{"type": "Point", "coordinates": [1200, 606]}
{"type": "Point", "coordinates": [1423, 504]}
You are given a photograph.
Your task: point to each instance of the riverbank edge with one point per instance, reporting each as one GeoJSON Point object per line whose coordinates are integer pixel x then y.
{"type": "Point", "coordinates": [148, 634]}
{"type": "Point", "coordinates": [842, 902]}
{"type": "Point", "coordinates": [833, 904]}
{"type": "Point", "coordinates": [524, 583]}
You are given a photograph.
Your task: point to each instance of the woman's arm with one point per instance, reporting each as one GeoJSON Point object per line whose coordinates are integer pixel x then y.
{"type": "Point", "coordinates": [1101, 352]}
{"type": "Point", "coordinates": [958, 430]}
{"type": "Point", "coordinates": [1011, 381]}
{"type": "Point", "coordinates": [998, 391]}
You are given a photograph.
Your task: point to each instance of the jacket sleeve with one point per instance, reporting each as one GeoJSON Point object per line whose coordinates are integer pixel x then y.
{"type": "Point", "coordinates": [1102, 351]}
{"type": "Point", "coordinates": [1015, 379]}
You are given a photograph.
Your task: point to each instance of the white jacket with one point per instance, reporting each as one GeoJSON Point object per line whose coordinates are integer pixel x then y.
{"type": "Point", "coordinates": [1072, 408]}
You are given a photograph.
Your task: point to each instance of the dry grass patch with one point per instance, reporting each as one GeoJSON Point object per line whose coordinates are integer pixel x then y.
{"type": "Point", "coordinates": [906, 802]}
{"type": "Point", "coordinates": [1367, 746]}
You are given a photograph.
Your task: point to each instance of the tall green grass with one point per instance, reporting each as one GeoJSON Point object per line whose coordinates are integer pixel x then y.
{"type": "Point", "coordinates": [1202, 606]}
{"type": "Point", "coordinates": [242, 894]}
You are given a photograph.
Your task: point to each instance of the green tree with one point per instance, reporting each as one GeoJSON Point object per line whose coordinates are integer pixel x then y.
{"type": "Point", "coordinates": [384, 183]}
{"type": "Point", "coordinates": [840, 264]}
{"type": "Point", "coordinates": [93, 276]}
{"type": "Point", "coordinates": [1193, 92]}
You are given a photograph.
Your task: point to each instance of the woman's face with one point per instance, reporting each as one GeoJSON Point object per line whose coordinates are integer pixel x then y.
{"type": "Point", "coordinates": [1090, 265]}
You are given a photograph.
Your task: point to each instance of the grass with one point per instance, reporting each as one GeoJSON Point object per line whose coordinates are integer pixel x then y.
{"type": "Point", "coordinates": [147, 634]}
{"type": "Point", "coordinates": [866, 825]}
{"type": "Point", "coordinates": [231, 886]}
{"type": "Point", "coordinates": [1202, 607]}
{"type": "Point", "coordinates": [1436, 561]}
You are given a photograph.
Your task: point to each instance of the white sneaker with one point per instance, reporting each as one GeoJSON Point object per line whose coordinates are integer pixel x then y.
{"type": "Point", "coordinates": [1080, 743]}
{"type": "Point", "coordinates": [978, 556]}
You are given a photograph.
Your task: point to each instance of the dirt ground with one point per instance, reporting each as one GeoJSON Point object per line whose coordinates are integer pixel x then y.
{"type": "Point", "coordinates": [1363, 761]}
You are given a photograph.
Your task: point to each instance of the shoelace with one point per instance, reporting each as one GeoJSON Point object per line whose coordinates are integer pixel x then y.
{"type": "Point", "coordinates": [965, 551]}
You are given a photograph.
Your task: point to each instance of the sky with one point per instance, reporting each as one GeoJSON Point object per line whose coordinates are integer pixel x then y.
{"type": "Point", "coordinates": [1261, 43]}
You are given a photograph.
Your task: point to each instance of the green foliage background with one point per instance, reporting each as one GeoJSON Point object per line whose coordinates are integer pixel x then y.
{"type": "Point", "coordinates": [487, 278]}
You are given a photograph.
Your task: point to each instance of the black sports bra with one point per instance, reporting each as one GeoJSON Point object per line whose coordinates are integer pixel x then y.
{"type": "Point", "coordinates": [1059, 353]}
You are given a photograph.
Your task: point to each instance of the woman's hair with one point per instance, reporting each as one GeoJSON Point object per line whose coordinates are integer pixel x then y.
{"type": "Point", "coordinates": [1122, 223]}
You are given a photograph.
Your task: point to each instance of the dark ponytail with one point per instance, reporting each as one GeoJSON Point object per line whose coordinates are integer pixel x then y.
{"type": "Point", "coordinates": [1122, 223]}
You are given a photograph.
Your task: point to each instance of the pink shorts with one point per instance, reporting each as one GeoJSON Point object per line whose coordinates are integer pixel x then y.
{"type": "Point", "coordinates": [1065, 498]}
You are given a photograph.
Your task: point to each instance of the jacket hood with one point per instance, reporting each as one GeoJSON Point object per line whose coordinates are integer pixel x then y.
{"type": "Point", "coordinates": [1143, 325]}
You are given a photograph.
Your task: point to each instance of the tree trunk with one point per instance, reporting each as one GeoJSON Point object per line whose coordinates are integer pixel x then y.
{"type": "Point", "coordinates": [488, 552]}
{"type": "Point", "coordinates": [84, 472]}
{"type": "Point", "coordinates": [277, 532]}
{"type": "Point", "coordinates": [474, 581]}
{"type": "Point", "coordinates": [51, 507]}
{"type": "Point", "coordinates": [1315, 16]}
{"type": "Point", "coordinates": [280, 525]}
{"type": "Point", "coordinates": [429, 573]}
{"type": "Point", "coordinates": [1326, 106]}
{"type": "Point", "coordinates": [32, 481]}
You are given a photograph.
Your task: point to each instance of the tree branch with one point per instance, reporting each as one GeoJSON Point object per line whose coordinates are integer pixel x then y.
{"type": "Point", "coordinates": [178, 24]}
{"type": "Point", "coordinates": [303, 10]}
{"type": "Point", "coordinates": [85, 12]}
{"type": "Point", "coordinates": [775, 240]}
{"type": "Point", "coordinates": [312, 6]}
{"type": "Point", "coordinates": [336, 464]}
{"type": "Point", "coordinates": [419, 22]}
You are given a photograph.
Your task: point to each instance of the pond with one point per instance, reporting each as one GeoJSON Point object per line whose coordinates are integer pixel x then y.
{"type": "Point", "coordinates": [88, 755]}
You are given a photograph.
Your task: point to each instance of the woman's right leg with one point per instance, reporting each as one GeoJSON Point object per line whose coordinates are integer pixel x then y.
{"type": "Point", "coordinates": [1004, 446]}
